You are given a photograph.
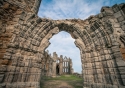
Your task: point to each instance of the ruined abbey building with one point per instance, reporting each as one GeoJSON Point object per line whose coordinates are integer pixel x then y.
{"type": "Point", "coordinates": [24, 37]}
{"type": "Point", "coordinates": [54, 65]}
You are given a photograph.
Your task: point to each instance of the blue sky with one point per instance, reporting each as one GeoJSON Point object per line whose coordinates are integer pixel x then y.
{"type": "Point", "coordinates": [67, 9]}
{"type": "Point", "coordinates": [62, 43]}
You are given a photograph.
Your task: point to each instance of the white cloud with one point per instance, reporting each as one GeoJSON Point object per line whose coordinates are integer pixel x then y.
{"type": "Point", "coordinates": [63, 9]}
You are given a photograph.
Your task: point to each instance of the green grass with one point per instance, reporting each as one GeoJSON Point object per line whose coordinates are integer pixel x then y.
{"type": "Point", "coordinates": [72, 80]}
{"type": "Point", "coordinates": [64, 77]}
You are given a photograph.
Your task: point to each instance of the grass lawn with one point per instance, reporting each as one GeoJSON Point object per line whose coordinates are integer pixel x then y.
{"type": "Point", "coordinates": [69, 81]}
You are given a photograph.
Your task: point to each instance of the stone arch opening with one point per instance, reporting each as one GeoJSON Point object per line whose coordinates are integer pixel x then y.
{"type": "Point", "coordinates": [97, 37]}
{"type": "Point", "coordinates": [51, 33]}
{"type": "Point", "coordinates": [63, 44]}
{"type": "Point", "coordinates": [57, 69]}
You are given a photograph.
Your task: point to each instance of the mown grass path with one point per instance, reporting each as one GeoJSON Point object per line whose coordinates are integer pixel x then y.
{"type": "Point", "coordinates": [64, 81]}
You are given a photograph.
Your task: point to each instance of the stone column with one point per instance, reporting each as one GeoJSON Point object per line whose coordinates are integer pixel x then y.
{"type": "Point", "coordinates": [61, 65]}
{"type": "Point", "coordinates": [54, 63]}
{"type": "Point", "coordinates": [70, 66]}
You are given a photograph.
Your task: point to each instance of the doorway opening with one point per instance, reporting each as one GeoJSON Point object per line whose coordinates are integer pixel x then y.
{"type": "Point", "coordinates": [57, 69]}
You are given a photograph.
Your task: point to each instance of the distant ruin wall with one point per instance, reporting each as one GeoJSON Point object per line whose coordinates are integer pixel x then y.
{"type": "Point", "coordinates": [52, 62]}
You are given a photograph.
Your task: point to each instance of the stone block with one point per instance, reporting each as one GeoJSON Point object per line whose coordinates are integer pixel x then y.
{"type": "Point", "coordinates": [35, 65]}
{"type": "Point", "coordinates": [7, 56]}
{"type": "Point", "coordinates": [113, 71]}
{"type": "Point", "coordinates": [11, 50]}
{"type": "Point", "coordinates": [34, 48]}
{"type": "Point", "coordinates": [103, 58]}
{"type": "Point", "coordinates": [95, 54]}
{"type": "Point", "coordinates": [123, 56]}
{"type": "Point", "coordinates": [11, 68]}
{"type": "Point", "coordinates": [117, 55]}
{"type": "Point", "coordinates": [3, 68]}
{"type": "Point", "coordinates": [109, 51]}
{"type": "Point", "coordinates": [108, 57]}
{"type": "Point", "coordinates": [4, 62]}
{"type": "Point", "coordinates": [121, 18]}
{"type": "Point", "coordinates": [120, 63]}
{"type": "Point", "coordinates": [122, 70]}
{"type": "Point", "coordinates": [8, 77]}
{"type": "Point", "coordinates": [110, 63]}
{"type": "Point", "coordinates": [122, 50]}
{"type": "Point", "coordinates": [104, 14]}
{"type": "Point", "coordinates": [26, 64]}
{"type": "Point", "coordinates": [18, 12]}
{"type": "Point", "coordinates": [99, 71]}
{"type": "Point", "coordinates": [115, 49]}
{"type": "Point", "coordinates": [123, 76]}
{"type": "Point", "coordinates": [109, 12]}
{"type": "Point", "coordinates": [2, 51]}
{"type": "Point", "coordinates": [21, 64]}
{"type": "Point", "coordinates": [115, 8]}
{"type": "Point", "coordinates": [1, 55]}
{"type": "Point", "coordinates": [105, 51]}
{"type": "Point", "coordinates": [123, 27]}
{"type": "Point", "coordinates": [101, 52]}
{"type": "Point", "coordinates": [117, 25]}
{"type": "Point", "coordinates": [98, 65]}
{"type": "Point", "coordinates": [106, 71]}
{"type": "Point", "coordinates": [23, 69]}
{"type": "Point", "coordinates": [107, 77]}
{"type": "Point", "coordinates": [96, 59]}
{"type": "Point", "coordinates": [118, 14]}
{"type": "Point", "coordinates": [104, 63]}
{"type": "Point", "coordinates": [123, 80]}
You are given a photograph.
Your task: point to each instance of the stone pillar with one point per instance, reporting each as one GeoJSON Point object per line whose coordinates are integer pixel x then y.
{"type": "Point", "coordinates": [54, 63]}
{"type": "Point", "coordinates": [70, 66]}
{"type": "Point", "coordinates": [61, 65]}
{"type": "Point", "coordinates": [50, 66]}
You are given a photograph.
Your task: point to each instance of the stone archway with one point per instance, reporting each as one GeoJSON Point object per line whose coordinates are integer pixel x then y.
{"type": "Point", "coordinates": [98, 38]}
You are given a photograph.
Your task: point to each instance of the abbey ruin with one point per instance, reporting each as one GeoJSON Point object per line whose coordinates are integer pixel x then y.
{"type": "Point", "coordinates": [54, 65]}
{"type": "Point", "coordinates": [24, 37]}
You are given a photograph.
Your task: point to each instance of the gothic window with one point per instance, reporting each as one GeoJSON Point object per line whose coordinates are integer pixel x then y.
{"type": "Point", "coordinates": [67, 70]}
{"type": "Point", "coordinates": [65, 64]}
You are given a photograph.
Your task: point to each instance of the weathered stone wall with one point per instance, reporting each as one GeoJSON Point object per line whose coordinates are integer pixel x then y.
{"type": "Point", "coordinates": [16, 64]}
{"type": "Point", "coordinates": [24, 37]}
{"type": "Point", "coordinates": [47, 63]}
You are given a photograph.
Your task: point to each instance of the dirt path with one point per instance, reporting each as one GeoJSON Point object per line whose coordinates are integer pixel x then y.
{"type": "Point", "coordinates": [56, 84]}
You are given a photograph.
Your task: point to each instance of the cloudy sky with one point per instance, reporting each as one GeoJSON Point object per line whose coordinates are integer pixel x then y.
{"type": "Point", "coordinates": [62, 43]}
